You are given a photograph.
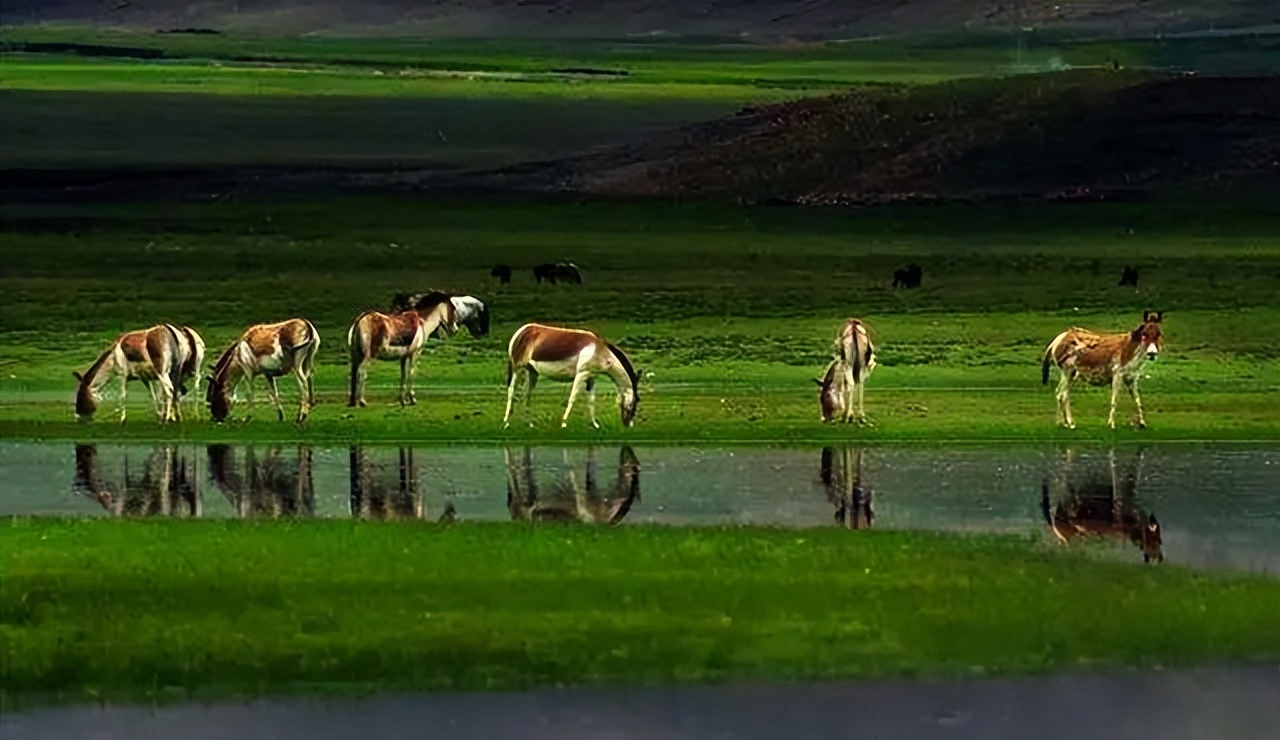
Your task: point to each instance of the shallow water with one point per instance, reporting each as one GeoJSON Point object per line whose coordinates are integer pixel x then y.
{"type": "Point", "coordinates": [1215, 506]}
{"type": "Point", "coordinates": [1211, 703]}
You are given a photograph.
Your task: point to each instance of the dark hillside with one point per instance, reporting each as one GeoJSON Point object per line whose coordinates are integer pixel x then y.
{"type": "Point", "coordinates": [1077, 134]}
{"type": "Point", "coordinates": [614, 18]}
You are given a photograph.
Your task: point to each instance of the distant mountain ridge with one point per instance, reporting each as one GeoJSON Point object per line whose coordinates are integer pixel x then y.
{"type": "Point", "coordinates": [614, 18]}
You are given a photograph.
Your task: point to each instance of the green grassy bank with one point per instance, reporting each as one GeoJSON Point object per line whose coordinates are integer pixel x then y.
{"type": "Point", "coordinates": [732, 310]}
{"type": "Point", "coordinates": [164, 610]}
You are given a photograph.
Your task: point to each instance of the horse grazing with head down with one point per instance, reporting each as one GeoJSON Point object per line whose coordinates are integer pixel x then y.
{"type": "Point", "coordinates": [845, 380]}
{"type": "Point", "coordinates": [269, 350]}
{"type": "Point", "coordinates": [164, 357]}
{"type": "Point", "coordinates": [1103, 359]}
{"type": "Point", "coordinates": [398, 336]}
{"type": "Point", "coordinates": [566, 355]}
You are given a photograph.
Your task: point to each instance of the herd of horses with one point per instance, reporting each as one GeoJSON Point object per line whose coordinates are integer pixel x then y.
{"type": "Point", "coordinates": [167, 359]}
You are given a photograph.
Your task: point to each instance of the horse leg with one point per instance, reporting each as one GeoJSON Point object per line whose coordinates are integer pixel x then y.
{"type": "Point", "coordinates": [124, 387]}
{"type": "Point", "coordinates": [511, 394]}
{"type": "Point", "coordinates": [155, 402]}
{"type": "Point", "coordinates": [1115, 395]}
{"type": "Point", "coordinates": [359, 373]}
{"type": "Point", "coordinates": [404, 381]}
{"type": "Point", "coordinates": [1063, 396]}
{"type": "Point", "coordinates": [274, 390]}
{"type": "Point", "coordinates": [862, 409]}
{"type": "Point", "coordinates": [413, 371]}
{"type": "Point", "coordinates": [531, 382]}
{"type": "Point", "coordinates": [1131, 384]}
{"type": "Point", "coordinates": [579, 380]}
{"type": "Point", "coordinates": [591, 402]}
{"type": "Point", "coordinates": [168, 399]}
{"type": "Point", "coordinates": [846, 394]}
{"type": "Point", "coordinates": [304, 393]}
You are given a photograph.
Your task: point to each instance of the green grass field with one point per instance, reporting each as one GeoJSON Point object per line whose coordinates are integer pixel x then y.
{"type": "Point", "coordinates": [162, 611]}
{"type": "Point", "coordinates": [733, 311]}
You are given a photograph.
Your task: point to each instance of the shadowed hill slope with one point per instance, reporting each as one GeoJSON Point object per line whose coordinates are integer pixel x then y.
{"type": "Point", "coordinates": [1081, 134]}
{"type": "Point", "coordinates": [551, 18]}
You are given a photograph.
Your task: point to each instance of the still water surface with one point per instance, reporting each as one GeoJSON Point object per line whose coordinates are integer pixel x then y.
{"type": "Point", "coordinates": [1214, 506]}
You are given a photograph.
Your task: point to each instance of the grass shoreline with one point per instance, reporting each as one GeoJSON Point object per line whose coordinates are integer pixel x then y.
{"type": "Point", "coordinates": [166, 611]}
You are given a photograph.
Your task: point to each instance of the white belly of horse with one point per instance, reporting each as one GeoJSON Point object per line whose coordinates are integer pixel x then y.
{"type": "Point", "coordinates": [142, 371]}
{"type": "Point", "coordinates": [275, 364]}
{"type": "Point", "coordinates": [561, 370]}
{"type": "Point", "coordinates": [394, 352]}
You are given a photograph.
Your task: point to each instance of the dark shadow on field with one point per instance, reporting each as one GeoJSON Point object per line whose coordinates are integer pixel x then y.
{"type": "Point", "coordinates": [571, 497]}
{"type": "Point", "coordinates": [164, 486]}
{"type": "Point", "coordinates": [268, 484]}
{"type": "Point", "coordinates": [841, 475]}
{"type": "Point", "coordinates": [1097, 498]}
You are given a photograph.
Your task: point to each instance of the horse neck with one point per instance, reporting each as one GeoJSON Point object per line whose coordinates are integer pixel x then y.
{"type": "Point", "coordinates": [230, 371]}
{"type": "Point", "coordinates": [434, 320]}
{"type": "Point", "coordinates": [102, 370]}
{"type": "Point", "coordinates": [618, 373]}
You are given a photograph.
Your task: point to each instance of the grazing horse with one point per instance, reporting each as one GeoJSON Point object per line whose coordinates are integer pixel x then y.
{"type": "Point", "coordinates": [502, 272]}
{"type": "Point", "coordinates": [557, 272]}
{"type": "Point", "coordinates": [1103, 508]}
{"type": "Point", "coordinates": [397, 336]}
{"type": "Point", "coordinates": [1129, 278]}
{"type": "Point", "coordinates": [471, 312]}
{"type": "Point", "coordinates": [841, 474]}
{"type": "Point", "coordinates": [858, 358]}
{"type": "Point", "coordinates": [1101, 359]}
{"type": "Point", "coordinates": [570, 355]}
{"type": "Point", "coordinates": [269, 350]}
{"type": "Point", "coordinates": [164, 357]}
{"type": "Point", "coordinates": [572, 499]}
{"type": "Point", "coordinates": [833, 392]}
{"type": "Point", "coordinates": [908, 277]}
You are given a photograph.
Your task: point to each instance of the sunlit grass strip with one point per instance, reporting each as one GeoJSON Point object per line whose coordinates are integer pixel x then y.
{"type": "Point", "coordinates": [132, 609]}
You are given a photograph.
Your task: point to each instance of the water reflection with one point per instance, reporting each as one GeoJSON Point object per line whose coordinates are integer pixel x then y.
{"type": "Point", "coordinates": [1101, 501]}
{"type": "Point", "coordinates": [270, 483]}
{"type": "Point", "coordinates": [165, 485]}
{"type": "Point", "coordinates": [570, 496]}
{"type": "Point", "coordinates": [386, 484]}
{"type": "Point", "coordinates": [841, 475]}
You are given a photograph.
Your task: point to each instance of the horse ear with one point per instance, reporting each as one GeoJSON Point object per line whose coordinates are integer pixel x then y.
{"type": "Point", "coordinates": [817, 381]}
{"type": "Point", "coordinates": [1146, 316]}
{"type": "Point", "coordinates": [79, 378]}
{"type": "Point", "coordinates": [1159, 316]}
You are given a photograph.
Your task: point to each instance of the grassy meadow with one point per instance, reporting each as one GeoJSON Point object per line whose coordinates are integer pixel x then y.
{"type": "Point", "coordinates": [732, 310]}
{"type": "Point", "coordinates": [162, 611]}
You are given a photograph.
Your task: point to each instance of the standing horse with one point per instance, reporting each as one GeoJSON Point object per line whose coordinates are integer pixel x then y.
{"type": "Point", "coordinates": [397, 336]}
{"type": "Point", "coordinates": [269, 350]}
{"type": "Point", "coordinates": [858, 359]}
{"type": "Point", "coordinates": [1102, 359]}
{"type": "Point", "coordinates": [164, 357]}
{"type": "Point", "coordinates": [566, 355]}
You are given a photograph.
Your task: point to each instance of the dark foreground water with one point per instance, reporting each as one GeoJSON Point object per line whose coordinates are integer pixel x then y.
{"type": "Point", "coordinates": [1214, 506]}
{"type": "Point", "coordinates": [1205, 704]}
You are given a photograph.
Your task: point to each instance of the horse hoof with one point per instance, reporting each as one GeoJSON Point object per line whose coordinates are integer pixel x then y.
{"type": "Point", "coordinates": [564, 424]}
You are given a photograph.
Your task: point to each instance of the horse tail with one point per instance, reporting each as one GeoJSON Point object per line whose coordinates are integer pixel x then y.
{"type": "Point", "coordinates": [1048, 359]}
{"type": "Point", "coordinates": [179, 356]}
{"type": "Point", "coordinates": [311, 349]}
{"type": "Point", "coordinates": [356, 340]}
{"type": "Point", "coordinates": [858, 350]}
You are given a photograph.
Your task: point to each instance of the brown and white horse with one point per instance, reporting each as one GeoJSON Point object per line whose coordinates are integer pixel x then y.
{"type": "Point", "coordinates": [833, 390]}
{"type": "Point", "coordinates": [857, 358]}
{"type": "Point", "coordinates": [397, 336]}
{"type": "Point", "coordinates": [269, 350]}
{"type": "Point", "coordinates": [566, 355]}
{"type": "Point", "coordinates": [1103, 359]}
{"type": "Point", "coordinates": [164, 357]}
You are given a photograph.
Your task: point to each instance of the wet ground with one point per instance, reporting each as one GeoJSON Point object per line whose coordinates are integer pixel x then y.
{"type": "Point", "coordinates": [1209, 704]}
{"type": "Point", "coordinates": [1214, 506]}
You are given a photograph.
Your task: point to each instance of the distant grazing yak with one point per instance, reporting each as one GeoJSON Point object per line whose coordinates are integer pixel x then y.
{"type": "Point", "coordinates": [1129, 277]}
{"type": "Point", "coordinates": [562, 272]}
{"type": "Point", "coordinates": [908, 277]}
{"type": "Point", "coordinates": [502, 272]}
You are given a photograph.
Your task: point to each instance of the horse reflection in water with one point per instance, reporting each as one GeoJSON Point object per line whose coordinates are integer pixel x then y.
{"type": "Point", "coordinates": [165, 485]}
{"type": "Point", "coordinates": [842, 479]}
{"type": "Point", "coordinates": [1101, 504]}
{"type": "Point", "coordinates": [269, 484]}
{"type": "Point", "coordinates": [572, 497]}
{"type": "Point", "coordinates": [388, 490]}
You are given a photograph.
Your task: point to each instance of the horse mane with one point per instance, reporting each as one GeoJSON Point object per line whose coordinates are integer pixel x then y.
{"type": "Point", "coordinates": [92, 372]}
{"type": "Point", "coordinates": [428, 301]}
{"type": "Point", "coordinates": [626, 365]}
{"type": "Point", "coordinates": [219, 367]}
